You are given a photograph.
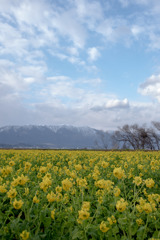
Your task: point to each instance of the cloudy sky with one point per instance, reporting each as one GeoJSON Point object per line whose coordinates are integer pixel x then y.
{"type": "Point", "coordinates": [79, 62]}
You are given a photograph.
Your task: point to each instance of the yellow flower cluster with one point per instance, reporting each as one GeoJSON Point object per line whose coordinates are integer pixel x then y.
{"type": "Point", "coordinates": [17, 204]}
{"type": "Point", "coordinates": [103, 227]}
{"type": "Point", "coordinates": [84, 212]}
{"type": "Point", "coordinates": [47, 191]}
{"type": "Point", "coordinates": [118, 173]}
{"type": "Point", "coordinates": [3, 188]}
{"type": "Point", "coordinates": [117, 191]}
{"type": "Point", "coordinates": [12, 193]}
{"type": "Point", "coordinates": [137, 180]}
{"type": "Point", "coordinates": [145, 206]}
{"type": "Point", "coordinates": [111, 220]}
{"type": "Point", "coordinates": [21, 180]}
{"type": "Point", "coordinates": [53, 214]}
{"type": "Point", "coordinates": [121, 205]}
{"type": "Point", "coordinates": [67, 184]}
{"type": "Point", "coordinates": [149, 182]}
{"type": "Point", "coordinates": [82, 182]}
{"type": "Point", "coordinates": [35, 199]}
{"type": "Point", "coordinates": [25, 235]}
{"type": "Point", "coordinates": [104, 184]}
{"type": "Point", "coordinates": [46, 183]}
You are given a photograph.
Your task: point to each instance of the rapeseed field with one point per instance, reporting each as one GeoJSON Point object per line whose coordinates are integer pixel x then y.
{"type": "Point", "coordinates": [55, 194]}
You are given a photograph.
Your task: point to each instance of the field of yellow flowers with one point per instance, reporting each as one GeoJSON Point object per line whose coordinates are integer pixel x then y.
{"type": "Point", "coordinates": [53, 194]}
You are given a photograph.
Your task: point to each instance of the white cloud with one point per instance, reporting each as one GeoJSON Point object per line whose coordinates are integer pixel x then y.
{"type": "Point", "coordinates": [73, 51]}
{"type": "Point", "coordinates": [93, 54]}
{"type": "Point", "coordinates": [115, 103]}
{"type": "Point", "coordinates": [89, 12]}
{"type": "Point", "coordinates": [35, 33]}
{"type": "Point", "coordinates": [11, 79]}
{"type": "Point", "coordinates": [64, 24]}
{"type": "Point", "coordinates": [115, 30]}
{"type": "Point", "coordinates": [54, 112]}
{"type": "Point", "coordinates": [151, 87]}
{"type": "Point", "coordinates": [136, 30]}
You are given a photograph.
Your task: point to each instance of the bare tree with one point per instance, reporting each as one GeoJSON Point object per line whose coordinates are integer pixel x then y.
{"type": "Point", "coordinates": [126, 135]}
{"type": "Point", "coordinates": [155, 134]}
{"type": "Point", "coordinates": [136, 137]}
{"type": "Point", "coordinates": [156, 125]}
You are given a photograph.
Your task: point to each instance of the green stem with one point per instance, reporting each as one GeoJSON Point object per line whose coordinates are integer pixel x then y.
{"type": "Point", "coordinates": [145, 228]}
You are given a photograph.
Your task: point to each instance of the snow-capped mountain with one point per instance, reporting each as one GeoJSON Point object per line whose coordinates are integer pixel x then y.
{"type": "Point", "coordinates": [53, 137]}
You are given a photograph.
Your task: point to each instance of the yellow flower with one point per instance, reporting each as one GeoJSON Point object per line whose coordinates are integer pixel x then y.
{"type": "Point", "coordinates": [27, 166]}
{"type": "Point", "coordinates": [105, 184]}
{"type": "Point", "coordinates": [118, 172]}
{"type": "Point", "coordinates": [80, 221]}
{"type": "Point", "coordinates": [117, 191]}
{"type": "Point", "coordinates": [35, 199]}
{"type": "Point", "coordinates": [51, 197]}
{"type": "Point", "coordinates": [140, 166]}
{"type": "Point", "coordinates": [104, 164]}
{"type": "Point", "coordinates": [82, 182]}
{"type": "Point", "coordinates": [55, 169]}
{"type": "Point", "coordinates": [12, 193]}
{"type": "Point", "coordinates": [111, 220]}
{"type": "Point", "coordinates": [14, 183]}
{"type": "Point", "coordinates": [43, 169]}
{"type": "Point", "coordinates": [66, 184]}
{"type": "Point", "coordinates": [78, 167]}
{"type": "Point", "coordinates": [17, 204]}
{"type": "Point", "coordinates": [137, 180]}
{"type": "Point", "coordinates": [121, 205]}
{"type": "Point", "coordinates": [11, 163]}
{"type": "Point", "coordinates": [139, 221]}
{"type": "Point", "coordinates": [86, 206]}
{"type": "Point", "coordinates": [126, 165]}
{"type": "Point", "coordinates": [58, 189]}
{"type": "Point", "coordinates": [73, 174]}
{"type": "Point", "coordinates": [147, 208]}
{"type": "Point", "coordinates": [149, 182]}
{"type": "Point", "coordinates": [53, 214]}
{"type": "Point", "coordinates": [59, 197]}
{"type": "Point", "coordinates": [142, 201]}
{"type": "Point", "coordinates": [22, 179]}
{"type": "Point", "coordinates": [46, 182]}
{"type": "Point", "coordinates": [49, 165]}
{"type": "Point", "coordinates": [83, 214]}
{"type": "Point", "coordinates": [24, 235]}
{"type": "Point", "coordinates": [3, 188]}
{"type": "Point", "coordinates": [103, 227]}
{"type": "Point", "coordinates": [139, 208]}
{"type": "Point", "coordinates": [26, 191]}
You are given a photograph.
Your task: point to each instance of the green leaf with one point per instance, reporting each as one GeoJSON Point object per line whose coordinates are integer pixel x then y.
{"type": "Point", "coordinates": [35, 238]}
{"type": "Point", "coordinates": [123, 221]}
{"type": "Point", "coordinates": [156, 234]}
{"type": "Point", "coordinates": [77, 233]}
{"type": "Point", "coordinates": [115, 230]}
{"type": "Point", "coordinates": [124, 238]}
{"type": "Point", "coordinates": [134, 229]}
{"type": "Point", "coordinates": [42, 216]}
{"type": "Point", "coordinates": [140, 233]}
{"type": "Point", "coordinates": [47, 221]}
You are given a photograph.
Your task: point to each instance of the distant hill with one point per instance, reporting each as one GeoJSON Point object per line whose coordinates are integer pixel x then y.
{"type": "Point", "coordinates": [53, 137]}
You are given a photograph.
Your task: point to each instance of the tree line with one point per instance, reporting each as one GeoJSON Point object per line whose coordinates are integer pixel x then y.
{"type": "Point", "coordinates": [137, 137]}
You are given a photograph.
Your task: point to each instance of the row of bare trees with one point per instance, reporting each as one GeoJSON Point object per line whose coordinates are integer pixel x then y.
{"type": "Point", "coordinates": [137, 137]}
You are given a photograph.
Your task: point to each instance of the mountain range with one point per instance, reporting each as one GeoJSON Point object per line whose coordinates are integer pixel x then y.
{"type": "Point", "coordinates": [54, 137]}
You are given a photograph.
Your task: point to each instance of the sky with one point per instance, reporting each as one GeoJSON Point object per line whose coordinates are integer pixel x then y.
{"type": "Point", "coordinates": [89, 63]}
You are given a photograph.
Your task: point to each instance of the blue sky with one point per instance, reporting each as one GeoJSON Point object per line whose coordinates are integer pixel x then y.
{"type": "Point", "coordinates": [79, 62]}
